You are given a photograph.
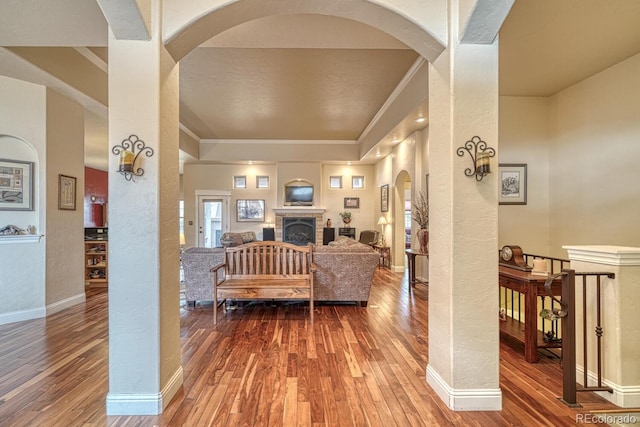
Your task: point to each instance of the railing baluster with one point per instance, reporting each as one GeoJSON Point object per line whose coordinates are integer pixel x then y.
{"type": "Point", "coordinates": [584, 332]}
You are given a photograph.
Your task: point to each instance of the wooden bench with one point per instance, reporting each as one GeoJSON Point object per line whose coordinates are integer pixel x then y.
{"type": "Point", "coordinates": [264, 270]}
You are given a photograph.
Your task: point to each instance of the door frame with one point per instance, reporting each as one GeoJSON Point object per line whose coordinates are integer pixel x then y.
{"type": "Point", "coordinates": [225, 195]}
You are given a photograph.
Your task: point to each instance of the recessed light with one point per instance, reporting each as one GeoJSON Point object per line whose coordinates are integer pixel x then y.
{"type": "Point", "coordinates": [396, 140]}
{"type": "Point", "coordinates": [420, 119]}
{"type": "Point", "coordinates": [348, 163]}
{"type": "Point", "coordinates": [250, 162]}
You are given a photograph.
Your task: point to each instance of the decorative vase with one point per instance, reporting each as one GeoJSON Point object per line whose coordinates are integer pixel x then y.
{"type": "Point", "coordinates": [423, 240]}
{"type": "Point", "coordinates": [346, 221]}
{"type": "Point", "coordinates": [328, 223]}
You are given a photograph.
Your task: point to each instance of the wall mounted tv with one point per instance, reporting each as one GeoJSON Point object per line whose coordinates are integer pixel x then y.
{"type": "Point", "coordinates": [298, 195]}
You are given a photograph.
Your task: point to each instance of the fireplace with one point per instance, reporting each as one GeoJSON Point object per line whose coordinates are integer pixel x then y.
{"type": "Point", "coordinates": [299, 230]}
{"type": "Point", "coordinates": [313, 215]}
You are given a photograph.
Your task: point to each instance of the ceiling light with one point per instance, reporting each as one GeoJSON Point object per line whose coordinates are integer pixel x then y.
{"type": "Point", "coordinates": [250, 162]}
{"type": "Point", "coordinates": [396, 140]}
{"type": "Point", "coordinates": [420, 119]}
{"type": "Point", "coordinates": [348, 163]}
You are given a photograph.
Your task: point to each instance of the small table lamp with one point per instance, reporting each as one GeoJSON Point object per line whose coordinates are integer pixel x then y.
{"type": "Point", "coordinates": [382, 221]}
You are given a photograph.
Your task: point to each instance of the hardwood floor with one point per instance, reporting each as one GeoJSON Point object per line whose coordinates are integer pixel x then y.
{"type": "Point", "coordinates": [267, 366]}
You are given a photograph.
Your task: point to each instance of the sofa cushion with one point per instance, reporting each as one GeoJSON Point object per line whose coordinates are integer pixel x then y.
{"type": "Point", "coordinates": [235, 239]}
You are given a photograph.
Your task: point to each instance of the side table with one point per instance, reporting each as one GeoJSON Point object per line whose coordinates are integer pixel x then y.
{"type": "Point", "coordinates": [385, 255]}
{"type": "Point", "coordinates": [411, 264]}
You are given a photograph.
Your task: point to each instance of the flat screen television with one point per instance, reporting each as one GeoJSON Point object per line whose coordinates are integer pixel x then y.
{"type": "Point", "coordinates": [298, 195]}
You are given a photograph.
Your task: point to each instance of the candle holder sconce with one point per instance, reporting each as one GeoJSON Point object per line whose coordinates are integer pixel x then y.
{"type": "Point", "coordinates": [480, 154]}
{"type": "Point", "coordinates": [129, 151]}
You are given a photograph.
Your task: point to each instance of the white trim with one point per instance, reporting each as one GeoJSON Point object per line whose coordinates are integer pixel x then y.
{"type": "Point", "coordinates": [297, 210]}
{"type": "Point", "coordinates": [134, 404]}
{"type": "Point", "coordinates": [622, 396]}
{"type": "Point", "coordinates": [172, 386]}
{"type": "Point", "coordinates": [189, 132]}
{"type": "Point", "coordinates": [465, 399]}
{"type": "Point", "coordinates": [281, 141]}
{"type": "Point", "coordinates": [144, 404]}
{"type": "Point", "coordinates": [65, 303]}
{"type": "Point", "coordinates": [93, 58]}
{"type": "Point", "coordinates": [607, 255]}
{"type": "Point", "coordinates": [394, 95]}
{"type": "Point", "coordinates": [22, 315]}
{"type": "Point", "coordinates": [26, 238]}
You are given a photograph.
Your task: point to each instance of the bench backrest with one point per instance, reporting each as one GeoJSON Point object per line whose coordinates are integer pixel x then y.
{"type": "Point", "coordinates": [268, 258]}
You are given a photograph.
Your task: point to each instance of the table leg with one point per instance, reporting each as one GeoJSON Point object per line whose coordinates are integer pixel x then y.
{"type": "Point", "coordinates": [411, 260]}
{"type": "Point", "coordinates": [531, 325]}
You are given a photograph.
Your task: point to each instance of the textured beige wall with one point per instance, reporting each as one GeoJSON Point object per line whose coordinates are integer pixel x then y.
{"type": "Point", "coordinates": [594, 174]}
{"type": "Point", "coordinates": [364, 217]}
{"type": "Point", "coordinates": [64, 228]}
{"type": "Point", "coordinates": [524, 138]}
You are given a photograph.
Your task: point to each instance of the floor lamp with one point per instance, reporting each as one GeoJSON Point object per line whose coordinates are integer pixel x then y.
{"type": "Point", "coordinates": [382, 221]}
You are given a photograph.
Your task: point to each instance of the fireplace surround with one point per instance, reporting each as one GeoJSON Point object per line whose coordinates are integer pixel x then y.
{"type": "Point", "coordinates": [314, 214]}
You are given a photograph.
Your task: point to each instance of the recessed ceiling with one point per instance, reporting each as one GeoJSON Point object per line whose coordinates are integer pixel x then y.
{"type": "Point", "coordinates": [301, 77]}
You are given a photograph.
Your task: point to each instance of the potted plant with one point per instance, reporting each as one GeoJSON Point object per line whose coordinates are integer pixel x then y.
{"type": "Point", "coordinates": [346, 217]}
{"type": "Point", "coordinates": [420, 214]}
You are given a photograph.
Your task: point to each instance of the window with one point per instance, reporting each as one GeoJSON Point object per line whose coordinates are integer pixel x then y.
{"type": "Point", "coordinates": [335, 182]}
{"type": "Point", "coordinates": [262, 182]}
{"type": "Point", "coordinates": [240, 181]}
{"type": "Point", "coordinates": [357, 182]}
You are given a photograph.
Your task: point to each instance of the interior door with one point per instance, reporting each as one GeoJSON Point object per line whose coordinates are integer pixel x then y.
{"type": "Point", "coordinates": [213, 218]}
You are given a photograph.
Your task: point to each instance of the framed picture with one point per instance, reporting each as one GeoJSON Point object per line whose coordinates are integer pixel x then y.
{"type": "Point", "coordinates": [352, 202]}
{"type": "Point", "coordinates": [16, 185]}
{"type": "Point", "coordinates": [249, 210]}
{"type": "Point", "coordinates": [384, 198]}
{"type": "Point", "coordinates": [66, 193]}
{"type": "Point", "coordinates": [513, 184]}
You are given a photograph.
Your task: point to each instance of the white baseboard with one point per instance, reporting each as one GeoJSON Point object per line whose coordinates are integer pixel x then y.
{"type": "Point", "coordinates": [19, 316]}
{"type": "Point", "coordinates": [144, 404]}
{"type": "Point", "coordinates": [622, 396]}
{"type": "Point", "coordinates": [466, 399]}
{"type": "Point", "coordinates": [65, 303]}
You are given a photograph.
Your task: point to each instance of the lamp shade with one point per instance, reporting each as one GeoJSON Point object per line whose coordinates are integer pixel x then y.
{"type": "Point", "coordinates": [382, 220]}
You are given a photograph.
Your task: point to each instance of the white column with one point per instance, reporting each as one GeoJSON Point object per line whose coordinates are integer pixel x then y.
{"type": "Point", "coordinates": [144, 325]}
{"type": "Point", "coordinates": [620, 319]}
{"type": "Point", "coordinates": [463, 263]}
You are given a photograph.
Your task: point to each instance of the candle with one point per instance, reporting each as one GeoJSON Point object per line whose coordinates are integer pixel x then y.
{"type": "Point", "coordinates": [482, 163]}
{"type": "Point", "coordinates": [126, 161]}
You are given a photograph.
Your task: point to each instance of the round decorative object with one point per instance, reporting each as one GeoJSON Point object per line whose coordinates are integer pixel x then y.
{"type": "Point", "coordinates": [346, 220]}
{"type": "Point", "coordinates": [513, 257]}
{"type": "Point", "coordinates": [423, 240]}
{"type": "Point", "coordinates": [506, 253]}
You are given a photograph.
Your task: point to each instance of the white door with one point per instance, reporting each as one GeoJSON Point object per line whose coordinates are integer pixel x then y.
{"type": "Point", "coordinates": [213, 219]}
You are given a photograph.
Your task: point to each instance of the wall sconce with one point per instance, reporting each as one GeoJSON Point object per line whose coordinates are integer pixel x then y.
{"type": "Point", "coordinates": [480, 154]}
{"type": "Point", "coordinates": [382, 221]}
{"type": "Point", "coordinates": [129, 151]}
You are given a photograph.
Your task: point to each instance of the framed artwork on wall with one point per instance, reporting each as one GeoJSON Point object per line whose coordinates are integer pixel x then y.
{"type": "Point", "coordinates": [249, 210]}
{"type": "Point", "coordinates": [16, 185]}
{"type": "Point", "coordinates": [384, 198]}
{"type": "Point", "coordinates": [352, 202]}
{"type": "Point", "coordinates": [513, 184]}
{"type": "Point", "coordinates": [66, 193]}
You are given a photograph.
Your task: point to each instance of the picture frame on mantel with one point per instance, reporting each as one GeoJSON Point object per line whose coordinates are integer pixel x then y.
{"type": "Point", "coordinates": [16, 185]}
{"type": "Point", "coordinates": [384, 198]}
{"type": "Point", "coordinates": [513, 183]}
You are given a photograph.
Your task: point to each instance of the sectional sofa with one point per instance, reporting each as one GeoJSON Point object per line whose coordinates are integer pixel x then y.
{"type": "Point", "coordinates": [345, 271]}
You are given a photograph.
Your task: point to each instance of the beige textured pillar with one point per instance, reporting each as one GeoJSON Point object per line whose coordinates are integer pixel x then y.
{"type": "Point", "coordinates": [144, 325]}
{"type": "Point", "coordinates": [620, 319]}
{"type": "Point", "coordinates": [463, 264]}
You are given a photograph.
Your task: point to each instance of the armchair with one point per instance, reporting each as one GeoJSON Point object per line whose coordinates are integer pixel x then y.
{"type": "Point", "coordinates": [368, 237]}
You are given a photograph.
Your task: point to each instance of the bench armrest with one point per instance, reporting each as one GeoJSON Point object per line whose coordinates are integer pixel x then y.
{"type": "Point", "coordinates": [217, 267]}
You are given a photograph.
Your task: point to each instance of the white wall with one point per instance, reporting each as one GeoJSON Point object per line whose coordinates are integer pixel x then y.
{"type": "Point", "coordinates": [22, 117]}
{"type": "Point", "coordinates": [362, 218]}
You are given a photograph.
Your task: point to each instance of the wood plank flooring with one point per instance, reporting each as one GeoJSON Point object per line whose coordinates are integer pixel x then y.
{"type": "Point", "coordinates": [266, 366]}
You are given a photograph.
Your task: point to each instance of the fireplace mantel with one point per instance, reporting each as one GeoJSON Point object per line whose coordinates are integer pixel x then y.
{"type": "Point", "coordinates": [298, 210]}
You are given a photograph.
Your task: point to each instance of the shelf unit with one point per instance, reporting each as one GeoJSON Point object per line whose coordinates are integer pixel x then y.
{"type": "Point", "coordinates": [95, 263]}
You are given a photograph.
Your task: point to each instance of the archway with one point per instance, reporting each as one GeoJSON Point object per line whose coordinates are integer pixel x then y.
{"type": "Point", "coordinates": [402, 193]}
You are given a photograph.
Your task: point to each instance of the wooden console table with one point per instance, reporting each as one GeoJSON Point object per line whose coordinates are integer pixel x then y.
{"type": "Point", "coordinates": [385, 255]}
{"type": "Point", "coordinates": [411, 264]}
{"type": "Point", "coordinates": [531, 286]}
